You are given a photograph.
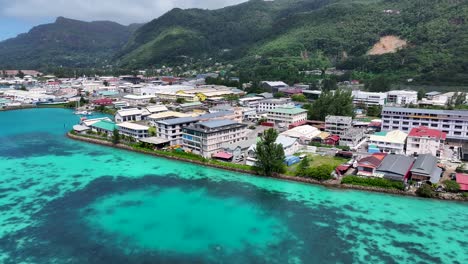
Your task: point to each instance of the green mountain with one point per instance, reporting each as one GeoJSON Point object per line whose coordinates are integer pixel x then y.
{"type": "Point", "coordinates": [67, 43]}
{"type": "Point", "coordinates": [278, 38]}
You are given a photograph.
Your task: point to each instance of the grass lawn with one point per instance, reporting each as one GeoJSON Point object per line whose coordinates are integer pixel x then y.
{"type": "Point", "coordinates": [317, 160]}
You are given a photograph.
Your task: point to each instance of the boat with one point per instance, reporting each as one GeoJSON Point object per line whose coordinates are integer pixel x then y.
{"type": "Point", "coordinates": [83, 113]}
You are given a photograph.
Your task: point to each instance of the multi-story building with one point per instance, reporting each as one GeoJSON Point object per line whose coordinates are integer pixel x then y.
{"type": "Point", "coordinates": [452, 122]}
{"type": "Point", "coordinates": [369, 98]}
{"type": "Point", "coordinates": [172, 128]}
{"type": "Point", "coordinates": [270, 104]}
{"type": "Point", "coordinates": [402, 97]}
{"type": "Point", "coordinates": [286, 115]}
{"type": "Point", "coordinates": [133, 130]}
{"type": "Point", "coordinates": [389, 142]}
{"type": "Point", "coordinates": [251, 101]}
{"type": "Point", "coordinates": [336, 125]}
{"type": "Point", "coordinates": [423, 140]}
{"type": "Point", "coordinates": [208, 138]}
{"type": "Point", "coordinates": [352, 137]}
{"type": "Point", "coordinates": [131, 114]}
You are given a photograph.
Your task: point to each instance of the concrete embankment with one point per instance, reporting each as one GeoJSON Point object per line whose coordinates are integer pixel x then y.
{"type": "Point", "coordinates": [333, 185]}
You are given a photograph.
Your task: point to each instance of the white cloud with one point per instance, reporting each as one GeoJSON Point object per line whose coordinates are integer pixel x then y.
{"type": "Point", "coordinates": [122, 11]}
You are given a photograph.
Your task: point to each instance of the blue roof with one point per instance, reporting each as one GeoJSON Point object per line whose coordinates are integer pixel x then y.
{"type": "Point", "coordinates": [218, 123]}
{"type": "Point", "coordinates": [179, 120]}
{"type": "Point", "coordinates": [217, 114]}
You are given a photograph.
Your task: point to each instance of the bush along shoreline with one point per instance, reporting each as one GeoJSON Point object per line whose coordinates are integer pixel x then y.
{"type": "Point", "coordinates": [196, 159]}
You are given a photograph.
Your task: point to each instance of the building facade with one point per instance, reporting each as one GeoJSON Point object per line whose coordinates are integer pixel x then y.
{"type": "Point", "coordinates": [133, 130]}
{"type": "Point", "coordinates": [452, 122]}
{"type": "Point", "coordinates": [171, 129]}
{"type": "Point", "coordinates": [208, 138]}
{"type": "Point", "coordinates": [270, 104]}
{"type": "Point", "coordinates": [389, 142]}
{"type": "Point", "coordinates": [423, 140]}
{"type": "Point", "coordinates": [402, 97]}
{"type": "Point", "coordinates": [336, 125]}
{"type": "Point", "coordinates": [369, 98]}
{"type": "Point", "coordinates": [286, 115]}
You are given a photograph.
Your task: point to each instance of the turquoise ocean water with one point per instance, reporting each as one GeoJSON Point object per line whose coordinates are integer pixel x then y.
{"type": "Point", "coordinates": [63, 201]}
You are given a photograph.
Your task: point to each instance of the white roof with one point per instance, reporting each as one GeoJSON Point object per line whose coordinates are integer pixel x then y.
{"type": "Point", "coordinates": [133, 126]}
{"type": "Point", "coordinates": [275, 83]}
{"type": "Point", "coordinates": [168, 114]}
{"type": "Point", "coordinates": [90, 122]}
{"type": "Point", "coordinates": [395, 136]}
{"type": "Point", "coordinates": [251, 99]}
{"type": "Point", "coordinates": [129, 112]}
{"type": "Point", "coordinates": [138, 97]}
{"type": "Point", "coordinates": [306, 131]}
{"type": "Point", "coordinates": [156, 108]}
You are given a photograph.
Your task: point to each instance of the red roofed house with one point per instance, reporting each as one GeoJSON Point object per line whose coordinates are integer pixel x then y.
{"type": "Point", "coordinates": [367, 166]}
{"type": "Point", "coordinates": [103, 101]}
{"type": "Point", "coordinates": [332, 140]}
{"type": "Point", "coordinates": [462, 180]}
{"type": "Point", "coordinates": [424, 140]}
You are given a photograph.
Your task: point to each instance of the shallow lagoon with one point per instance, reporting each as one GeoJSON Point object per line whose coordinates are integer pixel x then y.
{"type": "Point", "coordinates": [63, 201]}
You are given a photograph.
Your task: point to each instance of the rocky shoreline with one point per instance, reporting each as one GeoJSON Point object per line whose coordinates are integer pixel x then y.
{"type": "Point", "coordinates": [329, 184]}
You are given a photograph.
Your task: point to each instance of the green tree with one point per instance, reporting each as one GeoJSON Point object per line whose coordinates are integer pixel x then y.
{"type": "Point", "coordinates": [451, 186]}
{"type": "Point", "coordinates": [20, 74]}
{"type": "Point", "coordinates": [378, 84]}
{"type": "Point", "coordinates": [321, 173]}
{"type": "Point", "coordinates": [115, 136]}
{"type": "Point", "coordinates": [152, 101]}
{"type": "Point", "coordinates": [425, 191]}
{"type": "Point", "coordinates": [338, 103]}
{"type": "Point", "coordinates": [421, 93]}
{"type": "Point", "coordinates": [180, 100]}
{"type": "Point", "coordinates": [270, 155]}
{"type": "Point", "coordinates": [152, 131]}
{"type": "Point", "coordinates": [319, 61]}
{"type": "Point", "coordinates": [279, 95]}
{"type": "Point", "coordinates": [329, 84]}
{"type": "Point", "coordinates": [374, 110]}
{"type": "Point", "coordinates": [303, 167]}
{"type": "Point", "coordinates": [299, 98]}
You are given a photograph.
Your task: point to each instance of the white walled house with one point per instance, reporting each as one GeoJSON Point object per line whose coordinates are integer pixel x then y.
{"type": "Point", "coordinates": [133, 130]}
{"type": "Point", "coordinates": [423, 140]}
{"type": "Point", "coordinates": [131, 114]}
{"type": "Point", "coordinates": [389, 142]}
{"type": "Point", "coordinates": [369, 98]}
{"type": "Point", "coordinates": [270, 104]}
{"type": "Point", "coordinates": [398, 97]}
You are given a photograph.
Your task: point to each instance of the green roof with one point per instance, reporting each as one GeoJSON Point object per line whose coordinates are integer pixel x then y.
{"type": "Point", "coordinates": [288, 110]}
{"type": "Point", "coordinates": [382, 133]}
{"type": "Point", "coordinates": [105, 125]}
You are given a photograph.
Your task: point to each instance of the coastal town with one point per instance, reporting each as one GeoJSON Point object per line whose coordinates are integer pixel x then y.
{"type": "Point", "coordinates": [399, 140]}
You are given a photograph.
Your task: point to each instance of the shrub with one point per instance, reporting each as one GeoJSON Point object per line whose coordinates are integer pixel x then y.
{"type": "Point", "coordinates": [373, 182]}
{"type": "Point", "coordinates": [321, 173]}
{"type": "Point", "coordinates": [425, 191]}
{"type": "Point", "coordinates": [451, 186]}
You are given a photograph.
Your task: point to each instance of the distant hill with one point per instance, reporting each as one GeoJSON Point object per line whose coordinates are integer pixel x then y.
{"type": "Point", "coordinates": [67, 43]}
{"type": "Point", "coordinates": [260, 34]}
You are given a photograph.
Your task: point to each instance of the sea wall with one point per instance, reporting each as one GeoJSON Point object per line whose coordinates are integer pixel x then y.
{"type": "Point", "coordinates": [329, 184]}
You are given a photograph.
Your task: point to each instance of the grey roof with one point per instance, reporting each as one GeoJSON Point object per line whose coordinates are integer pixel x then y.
{"type": "Point", "coordinates": [338, 119]}
{"type": "Point", "coordinates": [396, 165]}
{"type": "Point", "coordinates": [424, 165]}
{"type": "Point", "coordinates": [426, 111]}
{"type": "Point", "coordinates": [154, 140]}
{"type": "Point", "coordinates": [435, 176]}
{"type": "Point", "coordinates": [217, 123]}
{"type": "Point", "coordinates": [433, 93]}
{"type": "Point", "coordinates": [176, 121]}
{"type": "Point", "coordinates": [216, 114]}
{"type": "Point", "coordinates": [266, 95]}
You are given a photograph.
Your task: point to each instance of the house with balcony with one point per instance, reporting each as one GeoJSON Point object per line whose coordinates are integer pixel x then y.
{"type": "Point", "coordinates": [208, 138]}
{"type": "Point", "coordinates": [129, 115]}
{"type": "Point", "coordinates": [171, 129]}
{"type": "Point", "coordinates": [392, 142]}
{"type": "Point", "coordinates": [424, 140]}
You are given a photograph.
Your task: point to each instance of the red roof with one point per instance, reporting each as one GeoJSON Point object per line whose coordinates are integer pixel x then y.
{"type": "Point", "coordinates": [222, 155]}
{"type": "Point", "coordinates": [372, 161]}
{"type": "Point", "coordinates": [334, 137]}
{"type": "Point", "coordinates": [462, 180]}
{"type": "Point", "coordinates": [427, 132]}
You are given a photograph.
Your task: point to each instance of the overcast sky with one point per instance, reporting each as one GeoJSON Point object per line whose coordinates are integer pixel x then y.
{"type": "Point", "coordinates": [18, 16]}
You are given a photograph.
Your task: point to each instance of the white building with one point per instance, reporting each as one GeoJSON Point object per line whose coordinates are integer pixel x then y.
{"type": "Point", "coordinates": [133, 130]}
{"type": "Point", "coordinates": [287, 115]}
{"type": "Point", "coordinates": [305, 134]}
{"type": "Point", "coordinates": [423, 140]}
{"type": "Point", "coordinates": [336, 125]}
{"type": "Point", "coordinates": [251, 101]}
{"type": "Point", "coordinates": [352, 137]}
{"type": "Point", "coordinates": [171, 129]}
{"type": "Point", "coordinates": [131, 114]}
{"type": "Point", "coordinates": [369, 98]}
{"type": "Point", "coordinates": [452, 122]}
{"type": "Point", "coordinates": [208, 138]}
{"type": "Point", "coordinates": [389, 142]}
{"type": "Point", "coordinates": [290, 147]}
{"type": "Point", "coordinates": [135, 100]}
{"type": "Point", "coordinates": [402, 97]}
{"type": "Point", "coordinates": [271, 104]}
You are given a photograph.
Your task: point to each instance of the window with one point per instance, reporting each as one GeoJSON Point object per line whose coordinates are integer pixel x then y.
{"type": "Point", "coordinates": [457, 133]}
{"type": "Point", "coordinates": [446, 126]}
{"type": "Point", "coordinates": [458, 127]}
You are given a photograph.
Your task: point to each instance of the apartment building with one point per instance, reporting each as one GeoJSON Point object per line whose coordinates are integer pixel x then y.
{"type": "Point", "coordinates": [452, 122]}
{"type": "Point", "coordinates": [270, 104]}
{"type": "Point", "coordinates": [131, 114]}
{"type": "Point", "coordinates": [172, 128]}
{"type": "Point", "coordinates": [208, 138]}
{"type": "Point", "coordinates": [369, 98]}
{"type": "Point", "coordinates": [336, 125]}
{"type": "Point", "coordinates": [286, 115]}
{"type": "Point", "coordinates": [352, 137]}
{"type": "Point", "coordinates": [402, 97]}
{"type": "Point", "coordinates": [423, 140]}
